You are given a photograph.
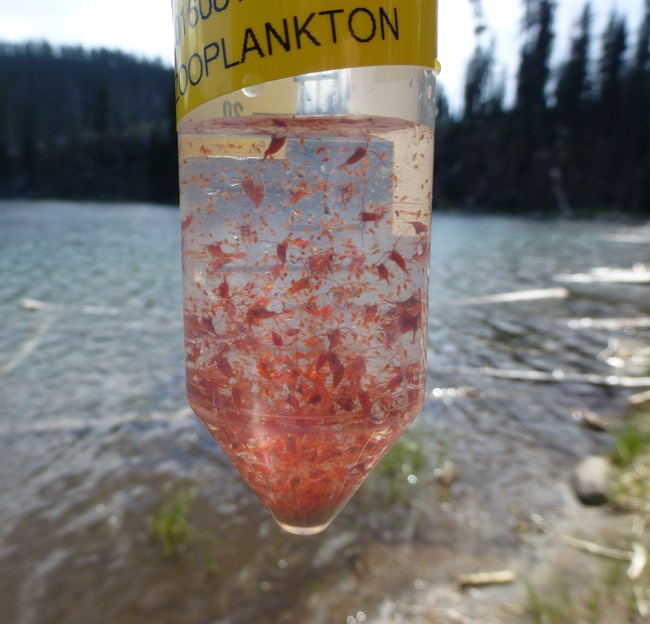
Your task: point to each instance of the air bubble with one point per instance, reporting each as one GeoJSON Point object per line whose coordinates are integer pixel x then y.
{"type": "Point", "coordinates": [253, 91]}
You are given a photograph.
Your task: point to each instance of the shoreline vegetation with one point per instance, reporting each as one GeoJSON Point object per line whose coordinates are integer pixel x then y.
{"type": "Point", "coordinates": [99, 124]}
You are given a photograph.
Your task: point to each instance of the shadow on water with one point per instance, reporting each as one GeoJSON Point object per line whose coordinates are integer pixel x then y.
{"type": "Point", "coordinates": [96, 442]}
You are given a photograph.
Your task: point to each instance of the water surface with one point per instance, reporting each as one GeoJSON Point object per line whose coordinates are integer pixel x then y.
{"type": "Point", "coordinates": [95, 436]}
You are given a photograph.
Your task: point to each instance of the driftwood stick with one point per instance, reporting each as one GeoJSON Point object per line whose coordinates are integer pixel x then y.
{"type": "Point", "coordinates": [557, 376]}
{"type": "Point", "coordinates": [638, 562]}
{"type": "Point", "coordinates": [641, 397]}
{"type": "Point", "coordinates": [597, 549]}
{"type": "Point", "coordinates": [519, 295]}
{"type": "Point", "coordinates": [479, 579]}
{"type": "Point", "coordinates": [608, 323]}
{"type": "Point", "coordinates": [591, 420]}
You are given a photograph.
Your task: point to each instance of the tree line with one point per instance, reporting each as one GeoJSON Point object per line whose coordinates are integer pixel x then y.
{"type": "Point", "coordinates": [84, 124]}
{"type": "Point", "coordinates": [576, 138]}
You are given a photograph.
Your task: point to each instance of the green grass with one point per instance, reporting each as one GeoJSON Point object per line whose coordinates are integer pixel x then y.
{"type": "Point", "coordinates": [630, 442]}
{"type": "Point", "coordinates": [557, 607]}
{"type": "Point", "coordinates": [630, 454]}
{"type": "Point", "coordinates": [171, 524]}
{"type": "Point", "coordinates": [406, 458]}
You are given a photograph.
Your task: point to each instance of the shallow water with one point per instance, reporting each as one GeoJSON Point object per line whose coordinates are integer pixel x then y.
{"type": "Point", "coordinates": [95, 437]}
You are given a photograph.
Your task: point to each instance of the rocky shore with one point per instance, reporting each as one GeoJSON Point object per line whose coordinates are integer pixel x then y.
{"type": "Point", "coordinates": [587, 563]}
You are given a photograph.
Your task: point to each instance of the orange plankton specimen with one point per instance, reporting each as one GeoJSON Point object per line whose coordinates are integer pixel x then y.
{"type": "Point", "coordinates": [304, 308]}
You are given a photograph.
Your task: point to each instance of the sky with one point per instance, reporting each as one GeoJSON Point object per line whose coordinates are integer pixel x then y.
{"type": "Point", "coordinates": [144, 28]}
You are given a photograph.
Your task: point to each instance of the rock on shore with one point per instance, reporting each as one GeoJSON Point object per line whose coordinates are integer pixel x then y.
{"type": "Point", "coordinates": [591, 479]}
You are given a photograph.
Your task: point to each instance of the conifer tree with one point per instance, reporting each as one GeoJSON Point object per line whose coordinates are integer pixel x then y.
{"type": "Point", "coordinates": [612, 65]}
{"type": "Point", "coordinates": [534, 65]}
{"type": "Point", "coordinates": [573, 86]}
{"type": "Point", "coordinates": [529, 142]}
{"type": "Point", "coordinates": [573, 120]}
{"type": "Point", "coordinates": [483, 93]}
{"type": "Point", "coordinates": [610, 174]}
{"type": "Point", "coordinates": [637, 119]}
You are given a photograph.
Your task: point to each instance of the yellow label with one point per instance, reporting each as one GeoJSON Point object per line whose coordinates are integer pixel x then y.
{"type": "Point", "coordinates": [226, 45]}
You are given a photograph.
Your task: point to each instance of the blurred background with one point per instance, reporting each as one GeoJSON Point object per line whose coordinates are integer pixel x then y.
{"type": "Point", "coordinates": [116, 505]}
{"type": "Point", "coordinates": [541, 105]}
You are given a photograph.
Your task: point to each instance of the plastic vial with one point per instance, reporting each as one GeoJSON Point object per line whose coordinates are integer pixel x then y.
{"type": "Point", "coordinates": [305, 217]}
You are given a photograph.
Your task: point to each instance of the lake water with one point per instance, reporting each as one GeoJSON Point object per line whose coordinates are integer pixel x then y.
{"type": "Point", "coordinates": [96, 439]}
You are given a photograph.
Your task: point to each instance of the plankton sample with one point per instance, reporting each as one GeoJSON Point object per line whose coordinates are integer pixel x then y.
{"type": "Point", "coordinates": [305, 274]}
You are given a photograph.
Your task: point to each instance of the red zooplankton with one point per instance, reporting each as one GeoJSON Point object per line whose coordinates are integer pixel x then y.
{"type": "Point", "coordinates": [305, 304]}
{"type": "Point", "coordinates": [276, 144]}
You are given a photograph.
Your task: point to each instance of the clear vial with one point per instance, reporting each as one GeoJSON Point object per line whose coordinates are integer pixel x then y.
{"type": "Point", "coordinates": [305, 210]}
